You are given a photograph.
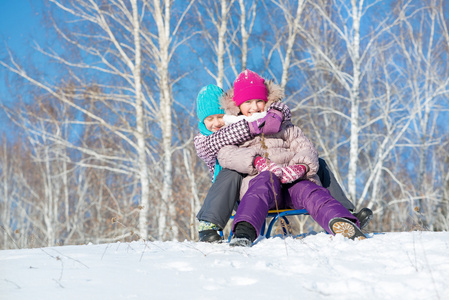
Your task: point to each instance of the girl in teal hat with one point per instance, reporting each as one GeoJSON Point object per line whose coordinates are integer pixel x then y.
{"type": "Point", "coordinates": [210, 115]}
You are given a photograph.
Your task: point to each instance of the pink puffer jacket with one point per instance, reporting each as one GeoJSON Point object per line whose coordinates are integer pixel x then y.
{"type": "Point", "coordinates": [288, 147]}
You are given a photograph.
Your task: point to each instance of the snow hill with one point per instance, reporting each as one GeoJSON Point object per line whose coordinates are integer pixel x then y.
{"type": "Point", "coordinates": [405, 265]}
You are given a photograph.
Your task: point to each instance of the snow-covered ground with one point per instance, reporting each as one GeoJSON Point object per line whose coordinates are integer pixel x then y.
{"type": "Point", "coordinates": [406, 265]}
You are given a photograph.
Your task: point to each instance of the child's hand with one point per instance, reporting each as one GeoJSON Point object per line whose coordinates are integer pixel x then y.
{"type": "Point", "coordinates": [292, 173]}
{"type": "Point", "coordinates": [255, 127]}
{"type": "Point", "coordinates": [273, 122]}
{"type": "Point", "coordinates": [262, 164]}
{"type": "Point", "coordinates": [269, 124]}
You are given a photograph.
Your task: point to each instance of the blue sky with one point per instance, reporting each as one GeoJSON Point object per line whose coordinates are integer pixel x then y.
{"type": "Point", "coordinates": [19, 25]}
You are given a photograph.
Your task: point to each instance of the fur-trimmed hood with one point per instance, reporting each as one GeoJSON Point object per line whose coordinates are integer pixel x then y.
{"type": "Point", "coordinates": [275, 94]}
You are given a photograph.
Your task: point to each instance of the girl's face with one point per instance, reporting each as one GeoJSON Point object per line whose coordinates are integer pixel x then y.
{"type": "Point", "coordinates": [214, 122]}
{"type": "Point", "coordinates": [252, 106]}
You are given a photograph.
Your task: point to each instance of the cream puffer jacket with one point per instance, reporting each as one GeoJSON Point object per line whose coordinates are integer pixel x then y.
{"type": "Point", "coordinates": [287, 147]}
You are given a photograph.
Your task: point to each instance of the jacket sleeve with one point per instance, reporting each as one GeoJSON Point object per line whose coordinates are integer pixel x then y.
{"type": "Point", "coordinates": [305, 151]}
{"type": "Point", "coordinates": [209, 160]}
{"type": "Point", "coordinates": [237, 158]}
{"type": "Point", "coordinates": [207, 147]}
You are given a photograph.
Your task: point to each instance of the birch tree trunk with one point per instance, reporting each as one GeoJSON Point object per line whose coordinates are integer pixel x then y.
{"type": "Point", "coordinates": [355, 98]}
{"type": "Point", "coordinates": [6, 203]}
{"type": "Point", "coordinates": [215, 14]}
{"type": "Point", "coordinates": [222, 29]}
{"type": "Point", "coordinates": [162, 16]}
{"type": "Point", "coordinates": [245, 31]}
{"type": "Point", "coordinates": [244, 34]}
{"type": "Point", "coordinates": [50, 206]}
{"type": "Point", "coordinates": [195, 201]}
{"type": "Point", "coordinates": [293, 25]}
{"type": "Point", "coordinates": [426, 135]}
{"type": "Point", "coordinates": [140, 126]}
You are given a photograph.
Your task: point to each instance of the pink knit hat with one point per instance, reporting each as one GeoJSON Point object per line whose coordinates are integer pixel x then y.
{"type": "Point", "coordinates": [249, 85]}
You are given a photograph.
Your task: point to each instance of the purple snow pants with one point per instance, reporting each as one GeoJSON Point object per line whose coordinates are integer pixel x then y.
{"type": "Point", "coordinates": [304, 194]}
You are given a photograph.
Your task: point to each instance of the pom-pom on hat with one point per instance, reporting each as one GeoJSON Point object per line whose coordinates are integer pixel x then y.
{"type": "Point", "coordinates": [249, 85]}
{"type": "Point", "coordinates": [207, 104]}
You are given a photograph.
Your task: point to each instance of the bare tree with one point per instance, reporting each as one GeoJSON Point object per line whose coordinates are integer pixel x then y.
{"type": "Point", "coordinates": [426, 77]}
{"type": "Point", "coordinates": [287, 33]}
{"type": "Point", "coordinates": [215, 14]}
{"type": "Point", "coordinates": [114, 39]}
{"type": "Point", "coordinates": [126, 68]}
{"type": "Point", "coordinates": [161, 46]}
{"type": "Point", "coordinates": [248, 13]}
{"type": "Point", "coordinates": [343, 24]}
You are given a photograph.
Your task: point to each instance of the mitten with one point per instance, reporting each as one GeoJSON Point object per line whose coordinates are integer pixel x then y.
{"type": "Point", "coordinates": [262, 164]}
{"type": "Point", "coordinates": [273, 122]}
{"type": "Point", "coordinates": [292, 173]}
{"type": "Point", "coordinates": [255, 127]}
{"type": "Point", "coordinates": [269, 124]}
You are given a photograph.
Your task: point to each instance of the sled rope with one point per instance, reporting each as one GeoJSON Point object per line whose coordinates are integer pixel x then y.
{"type": "Point", "coordinates": [265, 155]}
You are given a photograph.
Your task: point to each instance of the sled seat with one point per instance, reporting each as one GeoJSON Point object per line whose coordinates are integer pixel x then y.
{"type": "Point", "coordinates": [276, 215]}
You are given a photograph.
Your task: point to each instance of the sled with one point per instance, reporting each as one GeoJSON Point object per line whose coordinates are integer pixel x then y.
{"type": "Point", "coordinates": [280, 215]}
{"type": "Point", "coordinates": [276, 215]}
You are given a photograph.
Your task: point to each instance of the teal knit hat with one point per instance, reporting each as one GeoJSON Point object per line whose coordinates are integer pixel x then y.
{"type": "Point", "coordinates": [207, 104]}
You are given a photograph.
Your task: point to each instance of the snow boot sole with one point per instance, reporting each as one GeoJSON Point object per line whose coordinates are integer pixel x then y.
{"type": "Point", "coordinates": [210, 236]}
{"type": "Point", "coordinates": [240, 242]}
{"type": "Point", "coordinates": [346, 228]}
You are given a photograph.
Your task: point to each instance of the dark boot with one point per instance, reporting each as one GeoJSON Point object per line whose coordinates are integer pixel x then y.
{"type": "Point", "coordinates": [346, 228]}
{"type": "Point", "coordinates": [210, 236]}
{"type": "Point", "coordinates": [244, 235]}
{"type": "Point", "coordinates": [364, 216]}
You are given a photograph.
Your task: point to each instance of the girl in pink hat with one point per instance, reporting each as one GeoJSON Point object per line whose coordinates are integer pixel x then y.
{"type": "Point", "coordinates": [282, 167]}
